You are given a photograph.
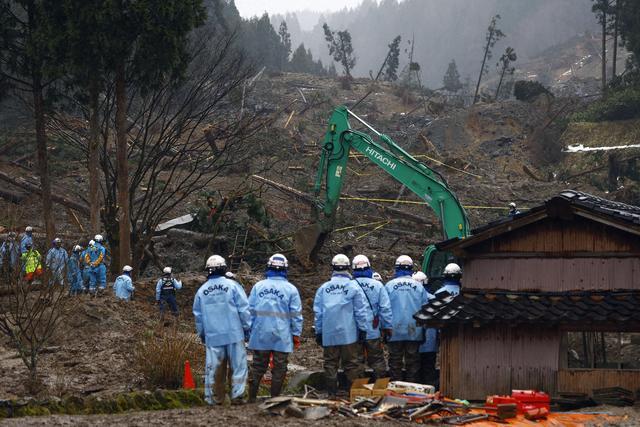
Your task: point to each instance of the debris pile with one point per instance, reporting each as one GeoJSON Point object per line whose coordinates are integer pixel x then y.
{"type": "Point", "coordinates": [409, 402]}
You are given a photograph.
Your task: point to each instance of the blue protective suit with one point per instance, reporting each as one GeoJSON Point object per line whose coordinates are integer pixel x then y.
{"type": "Point", "coordinates": [26, 239]}
{"type": "Point", "coordinates": [430, 343]}
{"type": "Point", "coordinates": [407, 298]}
{"type": "Point", "coordinates": [341, 310]}
{"type": "Point", "coordinates": [56, 261]}
{"type": "Point", "coordinates": [221, 313]}
{"type": "Point", "coordinates": [377, 299]}
{"type": "Point", "coordinates": [84, 267]}
{"type": "Point", "coordinates": [123, 287]}
{"type": "Point", "coordinates": [74, 274]}
{"type": "Point", "coordinates": [9, 253]}
{"type": "Point", "coordinates": [451, 286]}
{"type": "Point", "coordinates": [97, 270]}
{"type": "Point", "coordinates": [276, 315]}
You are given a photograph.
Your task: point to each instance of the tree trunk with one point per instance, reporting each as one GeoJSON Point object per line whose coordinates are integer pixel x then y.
{"type": "Point", "coordinates": [43, 161]}
{"type": "Point", "coordinates": [615, 39]}
{"type": "Point", "coordinates": [604, 51]}
{"type": "Point", "coordinates": [504, 69]}
{"type": "Point", "coordinates": [122, 168]}
{"type": "Point", "coordinates": [92, 165]}
{"type": "Point", "coordinates": [484, 61]}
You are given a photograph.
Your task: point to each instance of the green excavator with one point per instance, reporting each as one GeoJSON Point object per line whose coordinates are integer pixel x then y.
{"type": "Point", "coordinates": [426, 183]}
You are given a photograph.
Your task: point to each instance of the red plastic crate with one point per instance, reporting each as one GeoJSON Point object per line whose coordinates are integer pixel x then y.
{"type": "Point", "coordinates": [531, 399]}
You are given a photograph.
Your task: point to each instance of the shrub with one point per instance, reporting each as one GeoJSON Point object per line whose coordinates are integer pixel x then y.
{"type": "Point", "coordinates": [617, 105]}
{"type": "Point", "coordinates": [160, 356]}
{"type": "Point", "coordinates": [526, 91]}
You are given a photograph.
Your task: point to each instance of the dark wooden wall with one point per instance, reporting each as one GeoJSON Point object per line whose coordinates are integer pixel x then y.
{"type": "Point", "coordinates": [476, 362]}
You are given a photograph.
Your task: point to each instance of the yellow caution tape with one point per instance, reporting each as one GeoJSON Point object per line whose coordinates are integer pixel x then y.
{"type": "Point", "coordinates": [362, 225]}
{"type": "Point", "coordinates": [413, 202]}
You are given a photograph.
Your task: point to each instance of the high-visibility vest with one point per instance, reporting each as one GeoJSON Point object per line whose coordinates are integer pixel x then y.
{"type": "Point", "coordinates": [31, 261]}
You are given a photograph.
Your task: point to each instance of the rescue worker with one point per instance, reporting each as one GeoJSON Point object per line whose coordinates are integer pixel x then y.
{"type": "Point", "coordinates": [123, 286]}
{"type": "Point", "coordinates": [376, 276]}
{"type": "Point", "coordinates": [276, 325]}
{"type": "Point", "coordinates": [429, 348]}
{"type": "Point", "coordinates": [223, 322]}
{"type": "Point", "coordinates": [342, 321]}
{"type": "Point", "coordinates": [407, 297]}
{"type": "Point", "coordinates": [166, 291]}
{"type": "Point", "coordinates": [9, 254]}
{"type": "Point", "coordinates": [56, 261]}
{"type": "Point", "coordinates": [513, 210]}
{"type": "Point", "coordinates": [74, 272]}
{"type": "Point", "coordinates": [84, 265]}
{"type": "Point", "coordinates": [31, 265]}
{"type": "Point", "coordinates": [26, 239]}
{"type": "Point", "coordinates": [97, 270]}
{"type": "Point", "coordinates": [452, 275]}
{"type": "Point", "coordinates": [378, 301]}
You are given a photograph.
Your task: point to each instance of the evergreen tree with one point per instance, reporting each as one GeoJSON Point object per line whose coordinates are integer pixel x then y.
{"type": "Point", "coordinates": [629, 12]}
{"type": "Point", "coordinates": [285, 38]}
{"type": "Point", "coordinates": [451, 78]}
{"type": "Point", "coordinates": [393, 60]}
{"type": "Point", "coordinates": [506, 59]}
{"type": "Point", "coordinates": [340, 48]}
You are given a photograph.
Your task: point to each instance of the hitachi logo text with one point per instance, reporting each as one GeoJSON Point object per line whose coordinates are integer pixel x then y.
{"type": "Point", "coordinates": [385, 161]}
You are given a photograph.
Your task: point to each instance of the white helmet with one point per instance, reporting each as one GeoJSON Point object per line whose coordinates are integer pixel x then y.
{"type": "Point", "coordinates": [376, 276]}
{"type": "Point", "coordinates": [216, 261]}
{"type": "Point", "coordinates": [278, 262]}
{"type": "Point", "coordinates": [29, 229]}
{"type": "Point", "coordinates": [98, 238]}
{"type": "Point", "coordinates": [229, 275]}
{"type": "Point", "coordinates": [420, 277]}
{"type": "Point", "coordinates": [452, 269]}
{"type": "Point", "coordinates": [360, 262]}
{"type": "Point", "coordinates": [340, 262]}
{"type": "Point", "coordinates": [166, 270]}
{"type": "Point", "coordinates": [57, 240]}
{"type": "Point", "coordinates": [92, 242]}
{"type": "Point", "coordinates": [77, 248]}
{"type": "Point", "coordinates": [512, 205]}
{"type": "Point", "coordinates": [127, 268]}
{"type": "Point", "coordinates": [404, 262]}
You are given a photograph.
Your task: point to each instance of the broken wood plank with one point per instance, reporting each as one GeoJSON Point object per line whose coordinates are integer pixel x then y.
{"type": "Point", "coordinates": [32, 188]}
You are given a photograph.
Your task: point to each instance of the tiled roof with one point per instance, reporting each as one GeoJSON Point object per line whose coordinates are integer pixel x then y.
{"type": "Point", "coordinates": [478, 307]}
{"type": "Point", "coordinates": [604, 206]}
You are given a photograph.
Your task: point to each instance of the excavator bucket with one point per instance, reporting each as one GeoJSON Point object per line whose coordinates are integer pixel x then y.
{"type": "Point", "coordinates": [307, 241]}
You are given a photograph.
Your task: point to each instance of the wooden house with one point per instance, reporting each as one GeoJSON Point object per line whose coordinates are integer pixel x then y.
{"type": "Point", "coordinates": [550, 301]}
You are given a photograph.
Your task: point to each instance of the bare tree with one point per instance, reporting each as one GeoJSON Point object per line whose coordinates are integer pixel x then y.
{"type": "Point", "coordinates": [30, 315]}
{"type": "Point", "coordinates": [181, 137]}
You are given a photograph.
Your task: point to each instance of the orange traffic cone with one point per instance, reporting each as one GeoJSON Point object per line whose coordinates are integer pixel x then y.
{"type": "Point", "coordinates": [187, 380]}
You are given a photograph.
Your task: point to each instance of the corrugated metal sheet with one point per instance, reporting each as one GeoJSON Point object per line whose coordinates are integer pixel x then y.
{"type": "Point", "coordinates": [584, 381]}
{"type": "Point", "coordinates": [476, 362]}
{"type": "Point", "coordinates": [552, 274]}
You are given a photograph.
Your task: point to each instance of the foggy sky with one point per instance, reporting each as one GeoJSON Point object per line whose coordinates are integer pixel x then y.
{"type": "Point", "coordinates": [248, 8]}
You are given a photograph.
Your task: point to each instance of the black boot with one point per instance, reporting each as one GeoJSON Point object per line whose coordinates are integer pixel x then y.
{"type": "Point", "coordinates": [253, 390]}
{"type": "Point", "coordinates": [332, 390]}
{"type": "Point", "coordinates": [276, 387]}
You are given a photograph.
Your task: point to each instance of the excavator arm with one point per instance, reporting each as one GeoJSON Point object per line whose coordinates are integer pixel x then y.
{"type": "Point", "coordinates": [426, 183]}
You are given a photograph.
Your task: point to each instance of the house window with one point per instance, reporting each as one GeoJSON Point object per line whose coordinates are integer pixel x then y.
{"type": "Point", "coordinates": [602, 350]}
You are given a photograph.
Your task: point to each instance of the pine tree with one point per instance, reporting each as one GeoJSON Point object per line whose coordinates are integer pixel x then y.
{"type": "Point", "coordinates": [393, 60]}
{"type": "Point", "coordinates": [451, 78]}
{"type": "Point", "coordinates": [340, 48]}
{"type": "Point", "coordinates": [506, 59]}
{"type": "Point", "coordinates": [285, 38]}
{"type": "Point", "coordinates": [629, 15]}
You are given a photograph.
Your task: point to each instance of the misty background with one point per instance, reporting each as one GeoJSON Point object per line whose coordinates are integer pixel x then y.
{"type": "Point", "coordinates": [443, 30]}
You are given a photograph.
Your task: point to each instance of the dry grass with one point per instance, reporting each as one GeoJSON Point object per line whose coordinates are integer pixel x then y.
{"type": "Point", "coordinates": [161, 354]}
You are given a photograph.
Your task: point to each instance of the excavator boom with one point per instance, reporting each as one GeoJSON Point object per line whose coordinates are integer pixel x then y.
{"type": "Point", "coordinates": [426, 183]}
